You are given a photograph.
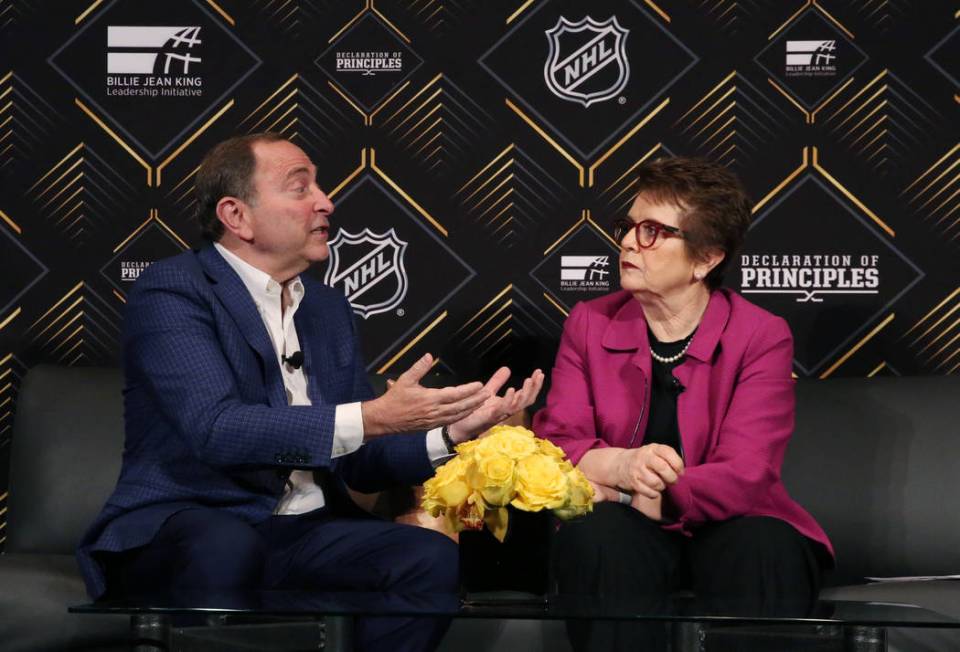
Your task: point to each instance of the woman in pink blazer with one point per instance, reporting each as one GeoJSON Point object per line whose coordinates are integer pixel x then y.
{"type": "Point", "coordinates": [675, 397]}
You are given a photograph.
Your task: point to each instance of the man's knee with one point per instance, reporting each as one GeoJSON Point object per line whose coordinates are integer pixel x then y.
{"type": "Point", "coordinates": [431, 562]}
{"type": "Point", "coordinates": [223, 553]}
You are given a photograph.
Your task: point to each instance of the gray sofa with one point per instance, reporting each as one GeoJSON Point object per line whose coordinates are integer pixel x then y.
{"type": "Point", "coordinates": [65, 458]}
{"type": "Point", "coordinates": [873, 459]}
{"type": "Point", "coordinates": [876, 461]}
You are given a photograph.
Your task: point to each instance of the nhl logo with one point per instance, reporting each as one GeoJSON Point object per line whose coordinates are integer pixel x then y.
{"type": "Point", "coordinates": [587, 62]}
{"type": "Point", "coordinates": [368, 267]}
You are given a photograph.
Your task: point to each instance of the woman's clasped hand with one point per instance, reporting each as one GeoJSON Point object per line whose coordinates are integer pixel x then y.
{"type": "Point", "coordinates": [648, 470]}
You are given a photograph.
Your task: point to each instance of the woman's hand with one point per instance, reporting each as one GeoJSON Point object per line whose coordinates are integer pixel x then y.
{"type": "Point", "coordinates": [602, 492]}
{"type": "Point", "coordinates": [648, 470]}
{"type": "Point", "coordinates": [652, 508]}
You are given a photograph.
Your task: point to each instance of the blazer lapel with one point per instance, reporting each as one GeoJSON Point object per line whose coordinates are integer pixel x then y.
{"type": "Point", "coordinates": [626, 334]}
{"type": "Point", "coordinates": [712, 325]}
{"type": "Point", "coordinates": [237, 301]}
{"type": "Point", "coordinates": [325, 341]}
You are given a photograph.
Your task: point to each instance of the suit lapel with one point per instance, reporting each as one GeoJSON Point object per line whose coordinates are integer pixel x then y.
{"type": "Point", "coordinates": [236, 300]}
{"type": "Point", "coordinates": [315, 354]}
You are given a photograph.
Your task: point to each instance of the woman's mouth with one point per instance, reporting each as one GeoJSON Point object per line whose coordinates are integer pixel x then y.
{"type": "Point", "coordinates": [626, 265]}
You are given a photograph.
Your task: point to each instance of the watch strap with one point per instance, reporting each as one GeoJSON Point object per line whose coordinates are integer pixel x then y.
{"type": "Point", "coordinates": [447, 440]}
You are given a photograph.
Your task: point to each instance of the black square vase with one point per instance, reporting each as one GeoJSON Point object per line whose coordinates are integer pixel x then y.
{"type": "Point", "coordinates": [520, 563]}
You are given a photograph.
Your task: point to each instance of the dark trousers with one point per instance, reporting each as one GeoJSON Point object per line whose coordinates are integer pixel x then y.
{"type": "Point", "coordinates": [208, 550]}
{"type": "Point", "coordinates": [616, 551]}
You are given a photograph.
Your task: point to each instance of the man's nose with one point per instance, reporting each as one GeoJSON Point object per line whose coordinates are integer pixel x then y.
{"type": "Point", "coordinates": [322, 202]}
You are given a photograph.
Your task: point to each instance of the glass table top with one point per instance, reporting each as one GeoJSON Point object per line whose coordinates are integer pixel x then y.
{"type": "Point", "coordinates": [525, 606]}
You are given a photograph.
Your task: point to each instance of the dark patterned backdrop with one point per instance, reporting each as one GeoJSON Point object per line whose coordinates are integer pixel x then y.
{"type": "Point", "coordinates": [477, 152]}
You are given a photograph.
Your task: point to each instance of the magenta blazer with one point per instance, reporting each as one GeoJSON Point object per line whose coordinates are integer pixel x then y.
{"type": "Point", "coordinates": [735, 416]}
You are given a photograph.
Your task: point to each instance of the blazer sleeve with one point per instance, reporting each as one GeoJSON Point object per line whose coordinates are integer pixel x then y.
{"type": "Point", "coordinates": [172, 346]}
{"type": "Point", "coordinates": [746, 461]}
{"type": "Point", "coordinates": [568, 419]}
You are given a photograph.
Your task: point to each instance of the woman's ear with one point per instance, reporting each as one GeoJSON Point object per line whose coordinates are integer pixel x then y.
{"type": "Point", "coordinates": [705, 265]}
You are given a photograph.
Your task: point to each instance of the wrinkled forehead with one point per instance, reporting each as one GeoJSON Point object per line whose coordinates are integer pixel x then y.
{"type": "Point", "coordinates": [280, 160]}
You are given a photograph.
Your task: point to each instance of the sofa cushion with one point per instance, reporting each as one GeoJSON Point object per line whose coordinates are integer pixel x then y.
{"type": "Point", "coordinates": [33, 607]}
{"type": "Point", "coordinates": [65, 458]}
{"type": "Point", "coordinates": [872, 460]}
{"type": "Point", "coordinates": [942, 596]}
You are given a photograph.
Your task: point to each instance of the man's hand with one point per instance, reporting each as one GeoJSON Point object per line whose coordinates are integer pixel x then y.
{"type": "Point", "coordinates": [497, 408]}
{"type": "Point", "coordinates": [648, 470]}
{"type": "Point", "coordinates": [408, 406]}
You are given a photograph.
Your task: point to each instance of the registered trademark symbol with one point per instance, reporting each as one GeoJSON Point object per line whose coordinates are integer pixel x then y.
{"type": "Point", "coordinates": [622, 100]}
{"type": "Point", "coordinates": [400, 312]}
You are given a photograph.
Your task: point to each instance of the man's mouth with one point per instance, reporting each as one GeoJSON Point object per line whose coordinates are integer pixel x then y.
{"type": "Point", "coordinates": [321, 229]}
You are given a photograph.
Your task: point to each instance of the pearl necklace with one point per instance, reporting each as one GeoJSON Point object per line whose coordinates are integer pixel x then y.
{"type": "Point", "coordinates": [672, 358]}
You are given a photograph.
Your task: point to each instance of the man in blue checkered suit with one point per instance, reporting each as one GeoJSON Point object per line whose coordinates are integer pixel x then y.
{"type": "Point", "coordinates": [248, 413]}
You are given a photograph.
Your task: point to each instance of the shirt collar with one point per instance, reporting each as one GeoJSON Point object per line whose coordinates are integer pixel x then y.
{"type": "Point", "coordinates": [259, 284]}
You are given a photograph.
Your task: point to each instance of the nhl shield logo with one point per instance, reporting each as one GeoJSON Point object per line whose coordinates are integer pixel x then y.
{"type": "Point", "coordinates": [587, 62]}
{"type": "Point", "coordinates": [369, 268]}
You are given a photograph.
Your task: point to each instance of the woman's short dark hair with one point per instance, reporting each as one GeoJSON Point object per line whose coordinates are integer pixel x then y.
{"type": "Point", "coordinates": [715, 210]}
{"type": "Point", "coordinates": [226, 171]}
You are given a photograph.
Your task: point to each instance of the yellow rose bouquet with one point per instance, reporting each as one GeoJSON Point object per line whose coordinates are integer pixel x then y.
{"type": "Point", "coordinates": [508, 466]}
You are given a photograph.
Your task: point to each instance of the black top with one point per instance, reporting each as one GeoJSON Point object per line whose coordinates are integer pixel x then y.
{"type": "Point", "coordinates": [662, 425]}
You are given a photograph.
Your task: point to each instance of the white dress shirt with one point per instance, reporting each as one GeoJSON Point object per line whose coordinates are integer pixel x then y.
{"type": "Point", "coordinates": [302, 493]}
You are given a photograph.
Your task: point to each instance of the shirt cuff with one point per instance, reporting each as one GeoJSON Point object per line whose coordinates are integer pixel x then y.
{"type": "Point", "coordinates": [436, 449]}
{"type": "Point", "coordinates": [347, 429]}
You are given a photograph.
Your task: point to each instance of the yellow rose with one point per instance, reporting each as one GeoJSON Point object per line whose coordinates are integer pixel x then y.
{"type": "Point", "coordinates": [508, 465]}
{"type": "Point", "coordinates": [513, 441]}
{"type": "Point", "coordinates": [579, 498]}
{"type": "Point", "coordinates": [550, 449]}
{"type": "Point", "coordinates": [447, 488]}
{"type": "Point", "coordinates": [540, 484]}
{"type": "Point", "coordinates": [492, 474]}
{"type": "Point", "coordinates": [466, 448]}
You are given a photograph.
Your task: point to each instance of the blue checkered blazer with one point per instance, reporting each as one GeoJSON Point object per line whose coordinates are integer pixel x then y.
{"type": "Point", "coordinates": [206, 414]}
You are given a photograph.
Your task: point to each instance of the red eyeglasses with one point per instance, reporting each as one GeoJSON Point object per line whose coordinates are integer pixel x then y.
{"type": "Point", "coordinates": [646, 232]}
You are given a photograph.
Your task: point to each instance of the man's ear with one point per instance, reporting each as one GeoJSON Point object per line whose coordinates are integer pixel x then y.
{"type": "Point", "coordinates": [232, 212]}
